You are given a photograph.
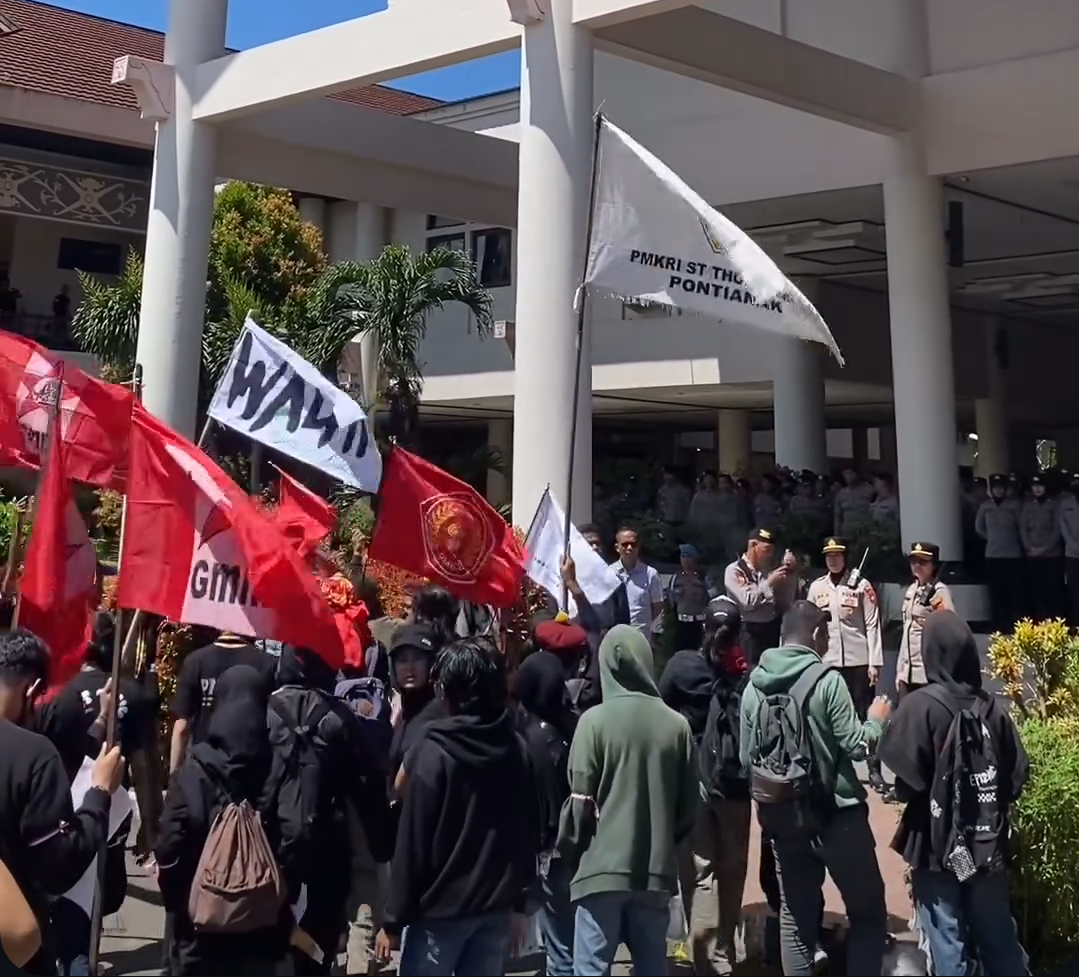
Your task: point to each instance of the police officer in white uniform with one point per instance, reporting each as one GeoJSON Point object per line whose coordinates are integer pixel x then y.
{"type": "Point", "coordinates": [925, 595]}
{"type": "Point", "coordinates": [758, 590]}
{"type": "Point", "coordinates": [854, 633]}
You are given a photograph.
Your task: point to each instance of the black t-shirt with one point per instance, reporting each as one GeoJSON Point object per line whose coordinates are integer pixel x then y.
{"type": "Point", "coordinates": [199, 675]}
{"type": "Point", "coordinates": [66, 719]}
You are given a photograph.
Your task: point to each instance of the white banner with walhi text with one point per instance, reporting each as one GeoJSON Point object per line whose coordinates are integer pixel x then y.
{"type": "Point", "coordinates": [274, 396]}
{"type": "Point", "coordinates": [656, 241]}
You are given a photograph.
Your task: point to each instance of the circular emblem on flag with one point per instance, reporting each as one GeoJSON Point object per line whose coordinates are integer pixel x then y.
{"type": "Point", "coordinates": [457, 538]}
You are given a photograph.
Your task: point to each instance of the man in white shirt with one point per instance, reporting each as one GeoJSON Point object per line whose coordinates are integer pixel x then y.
{"type": "Point", "coordinates": [644, 589]}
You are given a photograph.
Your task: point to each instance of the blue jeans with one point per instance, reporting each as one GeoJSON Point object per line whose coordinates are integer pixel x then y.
{"type": "Point", "coordinates": [968, 923]}
{"type": "Point", "coordinates": [71, 933]}
{"type": "Point", "coordinates": [474, 945]}
{"type": "Point", "coordinates": [607, 919]}
{"type": "Point", "coordinates": [557, 920]}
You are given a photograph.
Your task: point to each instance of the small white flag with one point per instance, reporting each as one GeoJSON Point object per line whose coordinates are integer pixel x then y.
{"type": "Point", "coordinates": [273, 395]}
{"type": "Point", "coordinates": [655, 240]}
{"type": "Point", "coordinates": [546, 544]}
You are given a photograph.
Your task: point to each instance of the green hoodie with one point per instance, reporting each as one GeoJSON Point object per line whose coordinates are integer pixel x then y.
{"type": "Point", "coordinates": [633, 778]}
{"type": "Point", "coordinates": [839, 737]}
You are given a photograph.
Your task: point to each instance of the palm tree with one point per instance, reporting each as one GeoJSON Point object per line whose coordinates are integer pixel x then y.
{"type": "Point", "coordinates": [395, 294]}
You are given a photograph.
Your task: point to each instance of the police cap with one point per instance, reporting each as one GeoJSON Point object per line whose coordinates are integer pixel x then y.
{"type": "Point", "coordinates": [761, 535]}
{"type": "Point", "coordinates": [998, 479]}
{"type": "Point", "coordinates": [835, 544]}
{"type": "Point", "coordinates": [926, 551]}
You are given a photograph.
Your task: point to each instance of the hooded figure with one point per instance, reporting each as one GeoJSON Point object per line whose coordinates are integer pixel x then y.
{"type": "Point", "coordinates": [232, 764]}
{"type": "Point", "coordinates": [634, 799]}
{"type": "Point", "coordinates": [915, 736]}
{"type": "Point", "coordinates": [967, 921]}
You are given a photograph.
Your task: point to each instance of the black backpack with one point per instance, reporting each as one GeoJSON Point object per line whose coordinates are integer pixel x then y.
{"type": "Point", "coordinates": [968, 825]}
{"type": "Point", "coordinates": [300, 726]}
{"type": "Point", "coordinates": [784, 781]}
{"type": "Point", "coordinates": [719, 758]}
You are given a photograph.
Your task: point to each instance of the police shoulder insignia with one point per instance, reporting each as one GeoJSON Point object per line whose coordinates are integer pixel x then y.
{"type": "Point", "coordinates": [936, 603]}
{"type": "Point", "coordinates": [870, 593]}
{"type": "Point", "coordinates": [740, 576]}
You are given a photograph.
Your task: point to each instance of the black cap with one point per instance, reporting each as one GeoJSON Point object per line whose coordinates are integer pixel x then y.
{"type": "Point", "coordinates": [761, 535]}
{"type": "Point", "coordinates": [1037, 480]}
{"type": "Point", "coordinates": [723, 612]}
{"type": "Point", "coordinates": [998, 479]}
{"type": "Point", "coordinates": [835, 544]}
{"type": "Point", "coordinates": [422, 637]}
{"type": "Point", "coordinates": [927, 551]}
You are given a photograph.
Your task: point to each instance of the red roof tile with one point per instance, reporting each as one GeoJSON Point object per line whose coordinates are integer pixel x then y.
{"type": "Point", "coordinates": [60, 52]}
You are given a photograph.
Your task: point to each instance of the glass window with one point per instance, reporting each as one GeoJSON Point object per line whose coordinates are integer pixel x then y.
{"type": "Point", "coordinates": [434, 222]}
{"type": "Point", "coordinates": [92, 257]}
{"type": "Point", "coordinates": [455, 242]}
{"type": "Point", "coordinates": [492, 252]}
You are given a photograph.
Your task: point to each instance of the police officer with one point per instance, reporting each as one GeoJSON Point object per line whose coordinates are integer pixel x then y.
{"type": "Point", "coordinates": [925, 595]}
{"type": "Point", "coordinates": [854, 634]}
{"type": "Point", "coordinates": [688, 597]}
{"type": "Point", "coordinates": [997, 522]}
{"type": "Point", "coordinates": [758, 589]}
{"type": "Point", "coordinates": [851, 502]}
{"type": "Point", "coordinates": [1039, 529]}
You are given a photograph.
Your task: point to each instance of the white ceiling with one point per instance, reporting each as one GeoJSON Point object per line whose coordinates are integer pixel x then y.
{"type": "Point", "coordinates": [1021, 229]}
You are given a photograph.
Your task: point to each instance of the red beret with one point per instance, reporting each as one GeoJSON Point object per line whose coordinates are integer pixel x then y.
{"type": "Point", "coordinates": [554, 636]}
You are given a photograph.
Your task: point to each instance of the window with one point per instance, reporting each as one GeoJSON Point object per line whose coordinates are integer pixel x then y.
{"type": "Point", "coordinates": [434, 222]}
{"type": "Point", "coordinates": [92, 257]}
{"type": "Point", "coordinates": [492, 253]}
{"type": "Point", "coordinates": [455, 242]}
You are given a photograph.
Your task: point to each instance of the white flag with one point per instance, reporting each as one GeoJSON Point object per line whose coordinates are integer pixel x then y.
{"type": "Point", "coordinates": [276, 397]}
{"type": "Point", "coordinates": [655, 240]}
{"type": "Point", "coordinates": [546, 545]}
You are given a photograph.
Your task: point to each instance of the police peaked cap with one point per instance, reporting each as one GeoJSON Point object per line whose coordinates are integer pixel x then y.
{"type": "Point", "coordinates": [761, 535]}
{"type": "Point", "coordinates": [998, 479]}
{"type": "Point", "coordinates": [835, 544]}
{"type": "Point", "coordinates": [928, 551]}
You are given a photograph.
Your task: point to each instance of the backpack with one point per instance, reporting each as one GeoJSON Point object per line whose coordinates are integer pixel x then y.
{"type": "Point", "coordinates": [968, 825]}
{"type": "Point", "coordinates": [783, 780]}
{"type": "Point", "coordinates": [719, 758]}
{"type": "Point", "coordinates": [299, 723]}
{"type": "Point", "coordinates": [237, 886]}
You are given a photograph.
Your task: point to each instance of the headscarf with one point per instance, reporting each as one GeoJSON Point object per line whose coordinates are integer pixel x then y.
{"type": "Point", "coordinates": [541, 687]}
{"type": "Point", "coordinates": [237, 746]}
{"type": "Point", "coordinates": [950, 654]}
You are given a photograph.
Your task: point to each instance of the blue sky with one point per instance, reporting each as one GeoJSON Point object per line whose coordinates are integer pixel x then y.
{"type": "Point", "coordinates": [253, 22]}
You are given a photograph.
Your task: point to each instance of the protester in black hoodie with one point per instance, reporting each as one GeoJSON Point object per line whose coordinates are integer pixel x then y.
{"type": "Point", "coordinates": [45, 844]}
{"type": "Point", "coordinates": [468, 838]}
{"type": "Point", "coordinates": [964, 922]}
{"type": "Point", "coordinates": [547, 723]}
{"type": "Point", "coordinates": [232, 764]}
{"type": "Point", "coordinates": [412, 655]}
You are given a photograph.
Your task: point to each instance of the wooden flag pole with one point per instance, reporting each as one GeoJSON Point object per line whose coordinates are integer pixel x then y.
{"type": "Point", "coordinates": [54, 415]}
{"type": "Point", "coordinates": [120, 650]}
{"type": "Point", "coordinates": [582, 310]}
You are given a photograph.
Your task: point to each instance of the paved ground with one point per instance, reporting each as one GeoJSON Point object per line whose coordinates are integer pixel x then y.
{"type": "Point", "coordinates": [132, 939]}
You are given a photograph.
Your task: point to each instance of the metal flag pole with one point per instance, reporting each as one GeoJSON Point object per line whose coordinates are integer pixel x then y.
{"type": "Point", "coordinates": [120, 650]}
{"type": "Point", "coordinates": [46, 450]}
{"type": "Point", "coordinates": [582, 310]}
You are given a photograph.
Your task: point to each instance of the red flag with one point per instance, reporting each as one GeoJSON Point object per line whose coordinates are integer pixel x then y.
{"type": "Point", "coordinates": [95, 417]}
{"type": "Point", "coordinates": [197, 549]}
{"type": "Point", "coordinates": [59, 578]}
{"type": "Point", "coordinates": [438, 527]}
{"type": "Point", "coordinates": [303, 516]}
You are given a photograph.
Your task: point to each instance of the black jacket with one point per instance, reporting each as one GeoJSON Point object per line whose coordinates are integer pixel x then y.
{"type": "Point", "coordinates": [468, 837]}
{"type": "Point", "coordinates": [46, 845]}
{"type": "Point", "coordinates": [686, 685]}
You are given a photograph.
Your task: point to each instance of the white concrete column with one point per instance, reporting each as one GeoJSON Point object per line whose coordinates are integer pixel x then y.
{"type": "Point", "coordinates": [178, 228]}
{"type": "Point", "coordinates": [555, 165]}
{"type": "Point", "coordinates": [922, 373]}
{"type": "Point", "coordinates": [500, 439]}
{"type": "Point", "coordinates": [734, 441]}
{"type": "Point", "coordinates": [358, 231]}
{"type": "Point", "coordinates": [990, 413]}
{"type": "Point", "coordinates": [313, 211]}
{"type": "Point", "coordinates": [801, 428]}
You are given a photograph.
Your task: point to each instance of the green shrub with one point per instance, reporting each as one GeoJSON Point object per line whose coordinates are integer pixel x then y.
{"type": "Point", "coordinates": [1046, 839]}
